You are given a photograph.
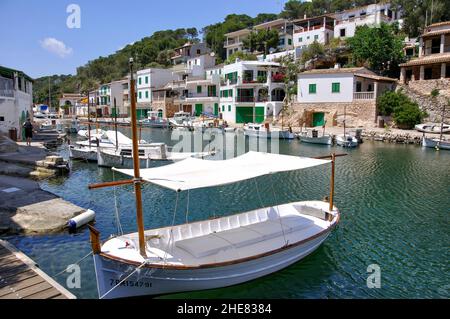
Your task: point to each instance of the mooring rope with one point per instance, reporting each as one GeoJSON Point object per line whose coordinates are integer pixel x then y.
{"type": "Point", "coordinates": [169, 243]}
{"type": "Point", "coordinates": [116, 207]}
{"type": "Point", "coordinates": [77, 263]}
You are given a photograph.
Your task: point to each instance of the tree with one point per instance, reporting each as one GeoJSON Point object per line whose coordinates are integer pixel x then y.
{"type": "Point", "coordinates": [240, 55]}
{"type": "Point", "coordinates": [261, 41]}
{"type": "Point", "coordinates": [420, 13]}
{"type": "Point", "coordinates": [381, 48]}
{"type": "Point", "coordinates": [314, 50]}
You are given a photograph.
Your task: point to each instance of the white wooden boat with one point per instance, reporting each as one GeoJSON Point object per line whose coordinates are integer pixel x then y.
{"type": "Point", "coordinates": [181, 120]}
{"type": "Point", "coordinates": [433, 128]}
{"type": "Point", "coordinates": [312, 137]}
{"type": "Point", "coordinates": [219, 252]}
{"type": "Point", "coordinates": [435, 143]}
{"type": "Point", "coordinates": [122, 157]}
{"type": "Point", "coordinates": [265, 131]}
{"type": "Point", "coordinates": [346, 140]}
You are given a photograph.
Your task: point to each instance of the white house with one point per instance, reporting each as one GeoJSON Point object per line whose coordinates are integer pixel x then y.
{"type": "Point", "coordinates": [372, 15]}
{"type": "Point", "coordinates": [147, 80]}
{"type": "Point", "coordinates": [235, 41]}
{"type": "Point", "coordinates": [308, 30]}
{"type": "Point", "coordinates": [324, 94]}
{"type": "Point", "coordinates": [188, 51]}
{"type": "Point", "coordinates": [73, 104]}
{"type": "Point", "coordinates": [16, 100]}
{"type": "Point", "coordinates": [251, 91]}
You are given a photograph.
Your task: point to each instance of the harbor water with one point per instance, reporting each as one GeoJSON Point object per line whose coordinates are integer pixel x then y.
{"type": "Point", "coordinates": [394, 200]}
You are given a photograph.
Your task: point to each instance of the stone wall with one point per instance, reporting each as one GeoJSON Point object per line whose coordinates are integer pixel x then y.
{"type": "Point", "coordinates": [168, 108]}
{"type": "Point", "coordinates": [420, 92]}
{"type": "Point", "coordinates": [360, 113]}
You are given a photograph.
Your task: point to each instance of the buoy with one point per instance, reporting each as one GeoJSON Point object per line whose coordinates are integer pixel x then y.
{"type": "Point", "coordinates": [81, 220]}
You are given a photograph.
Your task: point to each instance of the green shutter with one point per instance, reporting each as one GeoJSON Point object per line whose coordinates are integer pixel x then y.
{"type": "Point", "coordinates": [216, 109]}
{"type": "Point", "coordinates": [140, 80]}
{"type": "Point", "coordinates": [198, 109]}
{"type": "Point", "coordinates": [140, 95]}
{"type": "Point", "coordinates": [199, 89]}
{"type": "Point", "coordinates": [312, 89]}
{"type": "Point", "coordinates": [259, 114]}
{"type": "Point", "coordinates": [146, 80]}
{"type": "Point", "coordinates": [229, 108]}
{"type": "Point", "coordinates": [336, 87]}
{"type": "Point", "coordinates": [146, 94]}
{"type": "Point", "coordinates": [223, 108]}
{"type": "Point", "coordinates": [230, 92]}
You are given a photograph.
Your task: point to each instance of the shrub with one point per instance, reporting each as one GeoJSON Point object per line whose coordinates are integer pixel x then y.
{"type": "Point", "coordinates": [406, 113]}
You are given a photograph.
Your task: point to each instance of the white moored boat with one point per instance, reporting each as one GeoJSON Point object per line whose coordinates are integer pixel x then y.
{"type": "Point", "coordinates": [154, 120]}
{"type": "Point", "coordinates": [219, 252]}
{"type": "Point", "coordinates": [122, 157]}
{"type": "Point", "coordinates": [346, 140]}
{"type": "Point", "coordinates": [435, 143]}
{"type": "Point", "coordinates": [312, 137]}
{"type": "Point", "coordinates": [265, 131]}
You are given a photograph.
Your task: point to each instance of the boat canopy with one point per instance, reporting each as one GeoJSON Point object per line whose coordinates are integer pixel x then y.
{"type": "Point", "coordinates": [195, 173]}
{"type": "Point", "coordinates": [122, 139]}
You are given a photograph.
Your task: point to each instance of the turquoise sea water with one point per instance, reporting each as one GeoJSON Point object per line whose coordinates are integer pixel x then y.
{"type": "Point", "coordinates": [394, 200]}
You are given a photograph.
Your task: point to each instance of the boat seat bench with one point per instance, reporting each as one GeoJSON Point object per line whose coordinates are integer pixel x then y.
{"type": "Point", "coordinates": [210, 244]}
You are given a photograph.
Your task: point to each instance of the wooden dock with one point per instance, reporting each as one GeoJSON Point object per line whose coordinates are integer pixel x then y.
{"type": "Point", "coordinates": [21, 278]}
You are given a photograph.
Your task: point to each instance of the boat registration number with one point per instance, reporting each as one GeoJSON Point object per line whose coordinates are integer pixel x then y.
{"type": "Point", "coordinates": [130, 283]}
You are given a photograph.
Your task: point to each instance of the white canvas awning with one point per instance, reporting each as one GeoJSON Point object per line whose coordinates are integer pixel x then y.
{"type": "Point", "coordinates": [195, 173]}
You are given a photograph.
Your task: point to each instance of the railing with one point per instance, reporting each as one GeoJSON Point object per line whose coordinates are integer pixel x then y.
{"type": "Point", "coordinates": [7, 93]}
{"type": "Point", "coordinates": [245, 99]}
{"type": "Point", "coordinates": [312, 28]}
{"type": "Point", "coordinates": [363, 96]}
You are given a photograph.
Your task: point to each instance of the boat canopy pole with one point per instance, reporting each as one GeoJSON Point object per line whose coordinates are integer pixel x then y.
{"type": "Point", "coordinates": [137, 177]}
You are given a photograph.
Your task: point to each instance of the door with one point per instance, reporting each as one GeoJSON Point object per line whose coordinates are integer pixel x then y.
{"type": "Point", "coordinates": [198, 109]}
{"type": "Point", "coordinates": [259, 114]}
{"type": "Point", "coordinates": [216, 109]}
{"type": "Point", "coordinates": [244, 115]}
{"type": "Point", "coordinates": [318, 119]}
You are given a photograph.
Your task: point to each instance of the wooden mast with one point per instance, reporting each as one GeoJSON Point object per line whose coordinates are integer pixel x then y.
{"type": "Point", "coordinates": [137, 177]}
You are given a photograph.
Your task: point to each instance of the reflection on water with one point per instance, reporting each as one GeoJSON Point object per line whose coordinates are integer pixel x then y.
{"type": "Point", "coordinates": [394, 201]}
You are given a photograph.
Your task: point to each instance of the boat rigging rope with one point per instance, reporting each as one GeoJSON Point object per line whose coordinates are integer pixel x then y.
{"type": "Point", "coordinates": [79, 261]}
{"type": "Point", "coordinates": [123, 280]}
{"type": "Point", "coordinates": [116, 208]}
{"type": "Point", "coordinates": [187, 208]}
{"type": "Point", "coordinates": [169, 243]}
{"type": "Point", "coordinates": [278, 210]}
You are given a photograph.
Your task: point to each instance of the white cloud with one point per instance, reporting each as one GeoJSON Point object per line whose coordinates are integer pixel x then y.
{"type": "Point", "coordinates": [57, 47]}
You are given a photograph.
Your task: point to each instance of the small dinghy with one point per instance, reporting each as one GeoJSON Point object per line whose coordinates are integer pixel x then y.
{"type": "Point", "coordinates": [435, 143]}
{"type": "Point", "coordinates": [265, 131]}
{"type": "Point", "coordinates": [433, 128]}
{"type": "Point", "coordinates": [346, 140]}
{"type": "Point", "coordinates": [312, 137]}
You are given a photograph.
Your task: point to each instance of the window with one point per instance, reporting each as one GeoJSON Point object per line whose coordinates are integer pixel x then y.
{"type": "Point", "coordinates": [312, 88]}
{"type": "Point", "coordinates": [300, 39]}
{"type": "Point", "coordinates": [146, 80]}
{"type": "Point", "coordinates": [140, 80]}
{"type": "Point", "coordinates": [230, 92]}
{"type": "Point", "coordinates": [223, 108]}
{"type": "Point", "coordinates": [198, 51]}
{"type": "Point", "coordinates": [316, 37]}
{"type": "Point", "coordinates": [248, 76]}
{"type": "Point", "coordinates": [2, 118]}
{"type": "Point", "coordinates": [289, 41]}
{"type": "Point", "coordinates": [140, 95]}
{"type": "Point", "coordinates": [342, 32]}
{"type": "Point", "coordinates": [212, 90]}
{"type": "Point", "coordinates": [229, 108]}
{"type": "Point", "coordinates": [199, 89]}
{"type": "Point", "coordinates": [307, 38]}
{"type": "Point", "coordinates": [146, 94]}
{"type": "Point", "coordinates": [335, 87]}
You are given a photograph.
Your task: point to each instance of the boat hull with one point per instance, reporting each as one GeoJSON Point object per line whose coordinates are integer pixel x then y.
{"type": "Point", "coordinates": [434, 143]}
{"type": "Point", "coordinates": [346, 142]}
{"type": "Point", "coordinates": [151, 281]}
{"type": "Point", "coordinates": [118, 161]}
{"type": "Point", "coordinates": [274, 134]}
{"type": "Point", "coordinates": [87, 154]}
{"type": "Point", "coordinates": [324, 140]}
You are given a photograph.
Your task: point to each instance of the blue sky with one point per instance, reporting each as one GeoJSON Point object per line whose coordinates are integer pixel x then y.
{"type": "Point", "coordinates": [35, 38]}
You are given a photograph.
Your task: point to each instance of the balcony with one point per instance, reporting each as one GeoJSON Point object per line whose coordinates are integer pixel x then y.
{"type": "Point", "coordinates": [245, 99]}
{"type": "Point", "coordinates": [363, 96]}
{"type": "Point", "coordinates": [316, 27]}
{"type": "Point", "coordinates": [7, 94]}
